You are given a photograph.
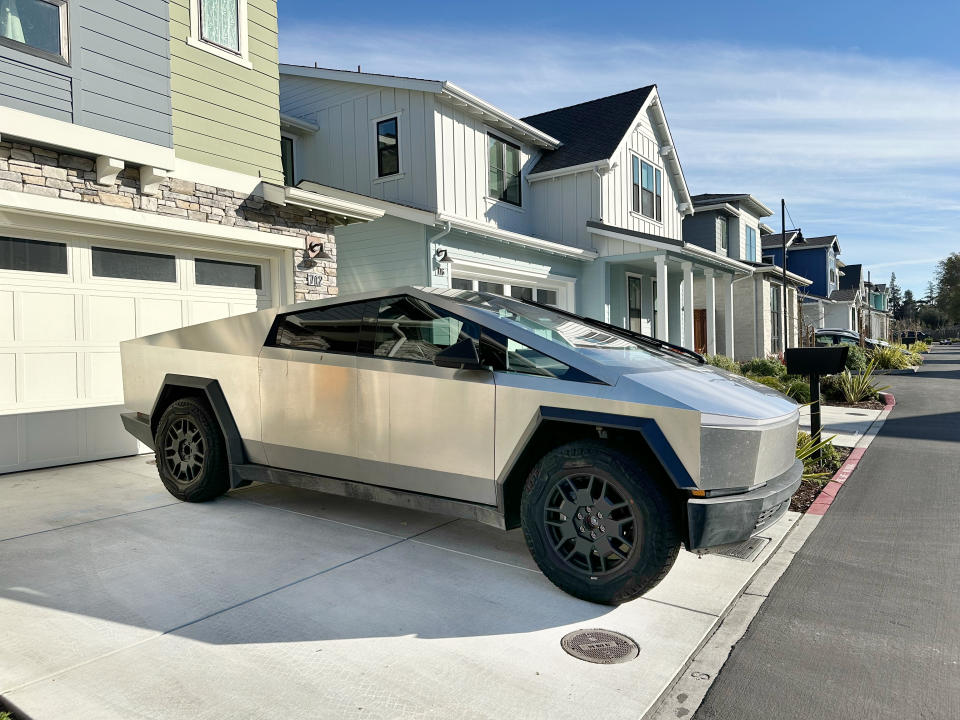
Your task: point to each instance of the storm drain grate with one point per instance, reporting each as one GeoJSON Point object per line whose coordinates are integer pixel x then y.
{"type": "Point", "coordinates": [746, 550]}
{"type": "Point", "coordinates": [600, 646]}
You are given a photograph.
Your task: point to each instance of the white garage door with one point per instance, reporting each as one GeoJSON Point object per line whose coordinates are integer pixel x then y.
{"type": "Point", "coordinates": [65, 306]}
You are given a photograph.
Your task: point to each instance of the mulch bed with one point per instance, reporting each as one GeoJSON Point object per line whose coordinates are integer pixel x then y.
{"type": "Point", "coordinates": [868, 405]}
{"type": "Point", "coordinates": [809, 489]}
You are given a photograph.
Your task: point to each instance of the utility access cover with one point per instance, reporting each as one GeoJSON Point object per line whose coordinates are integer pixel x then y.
{"type": "Point", "coordinates": [747, 550]}
{"type": "Point", "coordinates": [600, 646]}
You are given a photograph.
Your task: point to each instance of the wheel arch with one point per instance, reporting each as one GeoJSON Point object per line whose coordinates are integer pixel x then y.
{"type": "Point", "coordinates": [177, 387]}
{"type": "Point", "coordinates": [552, 427]}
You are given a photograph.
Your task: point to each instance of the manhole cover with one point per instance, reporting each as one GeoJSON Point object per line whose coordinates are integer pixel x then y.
{"type": "Point", "coordinates": [746, 550]}
{"type": "Point", "coordinates": [600, 646]}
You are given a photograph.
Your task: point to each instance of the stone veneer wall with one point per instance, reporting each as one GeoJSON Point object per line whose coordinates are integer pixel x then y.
{"type": "Point", "coordinates": [42, 171]}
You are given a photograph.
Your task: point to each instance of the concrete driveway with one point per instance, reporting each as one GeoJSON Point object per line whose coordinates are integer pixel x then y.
{"type": "Point", "coordinates": [116, 601]}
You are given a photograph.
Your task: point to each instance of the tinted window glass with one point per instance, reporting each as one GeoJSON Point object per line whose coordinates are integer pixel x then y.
{"type": "Point", "coordinates": [521, 293]}
{"type": "Point", "coordinates": [461, 284]}
{"type": "Point", "coordinates": [286, 159]}
{"type": "Point", "coordinates": [325, 329]}
{"type": "Point", "coordinates": [33, 256]}
{"type": "Point", "coordinates": [547, 297]}
{"type": "Point", "coordinates": [35, 23]}
{"type": "Point", "coordinates": [109, 262]}
{"type": "Point", "coordinates": [227, 274]}
{"type": "Point", "coordinates": [388, 150]}
{"type": "Point", "coordinates": [491, 287]}
{"type": "Point", "coordinates": [507, 355]}
{"type": "Point", "coordinates": [408, 329]}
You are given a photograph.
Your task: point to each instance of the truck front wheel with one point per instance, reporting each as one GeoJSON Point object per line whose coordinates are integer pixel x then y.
{"type": "Point", "coordinates": [191, 457]}
{"type": "Point", "coordinates": [597, 523]}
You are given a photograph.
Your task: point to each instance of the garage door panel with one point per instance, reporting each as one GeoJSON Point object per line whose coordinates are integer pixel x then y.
{"type": "Point", "coordinates": [203, 311]}
{"type": "Point", "coordinates": [50, 377]}
{"type": "Point", "coordinates": [8, 379]}
{"type": "Point", "coordinates": [111, 319]}
{"type": "Point", "coordinates": [105, 434]}
{"type": "Point", "coordinates": [105, 376]}
{"type": "Point", "coordinates": [6, 316]}
{"type": "Point", "coordinates": [159, 316]}
{"type": "Point", "coordinates": [9, 442]}
{"type": "Point", "coordinates": [52, 435]}
{"type": "Point", "coordinates": [48, 318]}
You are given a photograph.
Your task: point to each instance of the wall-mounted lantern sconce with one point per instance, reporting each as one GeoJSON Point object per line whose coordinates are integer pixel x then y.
{"type": "Point", "coordinates": [315, 251]}
{"type": "Point", "coordinates": [442, 259]}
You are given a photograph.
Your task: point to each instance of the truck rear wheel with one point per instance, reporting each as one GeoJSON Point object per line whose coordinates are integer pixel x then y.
{"type": "Point", "coordinates": [597, 523]}
{"type": "Point", "coordinates": [191, 457]}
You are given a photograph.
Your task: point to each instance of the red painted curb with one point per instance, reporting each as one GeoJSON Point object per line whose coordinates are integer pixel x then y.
{"type": "Point", "coordinates": [829, 492]}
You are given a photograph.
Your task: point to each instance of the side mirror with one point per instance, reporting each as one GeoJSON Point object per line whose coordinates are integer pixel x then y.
{"type": "Point", "coordinates": [460, 356]}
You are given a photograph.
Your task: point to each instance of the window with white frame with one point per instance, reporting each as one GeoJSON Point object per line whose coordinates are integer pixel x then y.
{"type": "Point", "coordinates": [751, 251]}
{"type": "Point", "coordinates": [37, 27]}
{"type": "Point", "coordinates": [388, 147]}
{"type": "Point", "coordinates": [555, 296]}
{"type": "Point", "coordinates": [724, 227]}
{"type": "Point", "coordinates": [286, 158]}
{"type": "Point", "coordinates": [503, 163]}
{"type": "Point", "coordinates": [647, 189]}
{"type": "Point", "coordinates": [220, 27]}
{"type": "Point", "coordinates": [775, 317]}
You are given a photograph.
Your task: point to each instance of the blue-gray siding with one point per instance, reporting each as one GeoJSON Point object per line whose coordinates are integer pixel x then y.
{"type": "Point", "coordinates": [382, 254]}
{"type": "Point", "coordinates": [118, 79]}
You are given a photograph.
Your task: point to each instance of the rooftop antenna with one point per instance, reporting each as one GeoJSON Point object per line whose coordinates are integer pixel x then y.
{"type": "Point", "coordinates": [358, 68]}
{"type": "Point", "coordinates": [315, 63]}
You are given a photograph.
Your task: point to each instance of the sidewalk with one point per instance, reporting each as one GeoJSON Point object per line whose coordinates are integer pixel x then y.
{"type": "Point", "coordinates": [848, 424]}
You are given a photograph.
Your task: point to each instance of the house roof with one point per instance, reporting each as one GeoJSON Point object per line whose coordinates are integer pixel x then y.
{"type": "Point", "coordinates": [445, 89]}
{"type": "Point", "coordinates": [773, 241]}
{"type": "Point", "coordinates": [821, 241]}
{"type": "Point", "coordinates": [756, 207]}
{"type": "Point", "coordinates": [845, 294]}
{"type": "Point", "coordinates": [777, 271]}
{"type": "Point", "coordinates": [589, 131]}
{"type": "Point", "coordinates": [851, 277]}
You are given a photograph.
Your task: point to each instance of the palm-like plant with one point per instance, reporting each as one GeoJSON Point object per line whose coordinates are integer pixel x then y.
{"type": "Point", "coordinates": [857, 388]}
{"type": "Point", "coordinates": [807, 451]}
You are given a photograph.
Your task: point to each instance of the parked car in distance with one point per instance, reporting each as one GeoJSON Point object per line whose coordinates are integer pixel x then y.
{"type": "Point", "coordinates": [839, 336]}
{"type": "Point", "coordinates": [912, 336]}
{"type": "Point", "coordinates": [608, 448]}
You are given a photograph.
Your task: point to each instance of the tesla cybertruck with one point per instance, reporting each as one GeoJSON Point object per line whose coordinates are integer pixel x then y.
{"type": "Point", "coordinates": [610, 449]}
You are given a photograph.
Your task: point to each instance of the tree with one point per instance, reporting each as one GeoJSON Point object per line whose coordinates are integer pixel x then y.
{"type": "Point", "coordinates": [948, 287]}
{"type": "Point", "coordinates": [908, 309]}
{"type": "Point", "coordinates": [896, 299]}
{"type": "Point", "coordinates": [931, 295]}
{"type": "Point", "coordinates": [932, 318]}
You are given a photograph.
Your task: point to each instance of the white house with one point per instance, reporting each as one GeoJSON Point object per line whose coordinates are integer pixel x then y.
{"type": "Point", "coordinates": [581, 207]}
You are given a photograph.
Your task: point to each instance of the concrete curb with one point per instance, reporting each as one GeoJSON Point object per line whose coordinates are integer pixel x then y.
{"type": "Point", "coordinates": [830, 490]}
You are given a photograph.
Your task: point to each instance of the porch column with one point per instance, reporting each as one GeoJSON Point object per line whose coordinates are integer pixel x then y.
{"type": "Point", "coordinates": [662, 307]}
{"type": "Point", "coordinates": [687, 268]}
{"type": "Point", "coordinates": [726, 287]}
{"type": "Point", "coordinates": [710, 288]}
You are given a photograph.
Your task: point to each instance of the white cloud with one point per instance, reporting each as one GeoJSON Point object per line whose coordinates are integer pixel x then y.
{"type": "Point", "coordinates": [867, 147]}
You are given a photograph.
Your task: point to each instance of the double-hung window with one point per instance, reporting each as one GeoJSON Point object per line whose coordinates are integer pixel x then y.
{"type": "Point", "coordinates": [38, 27]}
{"type": "Point", "coordinates": [751, 252]}
{"type": "Point", "coordinates": [647, 189]}
{"type": "Point", "coordinates": [775, 317]}
{"type": "Point", "coordinates": [388, 148]}
{"type": "Point", "coordinates": [503, 159]}
{"type": "Point", "coordinates": [724, 233]}
{"type": "Point", "coordinates": [220, 23]}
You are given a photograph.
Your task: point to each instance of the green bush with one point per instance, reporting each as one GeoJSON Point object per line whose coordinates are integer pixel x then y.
{"type": "Point", "coordinates": [860, 388]}
{"type": "Point", "coordinates": [769, 380]}
{"type": "Point", "coordinates": [799, 390]}
{"type": "Point", "coordinates": [830, 390]}
{"type": "Point", "coordinates": [919, 347]}
{"type": "Point", "coordinates": [764, 367]}
{"type": "Point", "coordinates": [828, 463]}
{"type": "Point", "coordinates": [856, 360]}
{"type": "Point", "coordinates": [722, 361]}
{"type": "Point", "coordinates": [890, 358]}
{"type": "Point", "coordinates": [913, 358]}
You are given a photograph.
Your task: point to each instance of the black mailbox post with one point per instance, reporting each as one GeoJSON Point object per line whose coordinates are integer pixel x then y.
{"type": "Point", "coordinates": [814, 362]}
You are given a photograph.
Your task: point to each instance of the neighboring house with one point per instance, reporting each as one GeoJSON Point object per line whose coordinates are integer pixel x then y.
{"type": "Point", "coordinates": [139, 141]}
{"type": "Point", "coordinates": [878, 311]}
{"type": "Point", "coordinates": [581, 207]}
{"type": "Point", "coordinates": [729, 224]}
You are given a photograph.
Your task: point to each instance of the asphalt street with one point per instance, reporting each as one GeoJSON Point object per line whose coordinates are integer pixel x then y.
{"type": "Point", "coordinates": [865, 623]}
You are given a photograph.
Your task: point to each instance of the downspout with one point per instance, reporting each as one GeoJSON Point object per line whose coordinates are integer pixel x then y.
{"type": "Point", "coordinates": [431, 251]}
{"type": "Point", "coordinates": [596, 171]}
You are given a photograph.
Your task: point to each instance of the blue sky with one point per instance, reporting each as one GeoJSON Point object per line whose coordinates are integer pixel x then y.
{"type": "Point", "coordinates": [849, 110]}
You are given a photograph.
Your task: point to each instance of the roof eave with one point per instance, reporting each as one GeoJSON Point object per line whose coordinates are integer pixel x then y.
{"type": "Point", "coordinates": [671, 159]}
{"type": "Point", "coordinates": [486, 111]}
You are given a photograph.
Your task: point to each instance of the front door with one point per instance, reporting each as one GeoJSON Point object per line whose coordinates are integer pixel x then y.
{"type": "Point", "coordinates": [700, 330]}
{"type": "Point", "coordinates": [634, 304]}
{"type": "Point", "coordinates": [421, 427]}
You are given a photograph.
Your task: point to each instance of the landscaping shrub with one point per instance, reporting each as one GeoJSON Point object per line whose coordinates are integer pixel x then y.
{"type": "Point", "coordinates": [856, 360]}
{"type": "Point", "coordinates": [914, 358]}
{"type": "Point", "coordinates": [890, 358]}
{"type": "Point", "coordinates": [764, 367]}
{"type": "Point", "coordinates": [799, 390]}
{"type": "Point", "coordinates": [921, 346]}
{"type": "Point", "coordinates": [722, 361]}
{"type": "Point", "coordinates": [830, 391]}
{"type": "Point", "coordinates": [860, 388]}
{"type": "Point", "coordinates": [829, 461]}
{"type": "Point", "coordinates": [769, 381]}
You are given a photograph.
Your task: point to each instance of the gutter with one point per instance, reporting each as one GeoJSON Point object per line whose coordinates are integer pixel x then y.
{"type": "Point", "coordinates": [460, 96]}
{"type": "Point", "coordinates": [660, 124]}
{"type": "Point", "coordinates": [528, 241]}
{"type": "Point", "coordinates": [348, 210]}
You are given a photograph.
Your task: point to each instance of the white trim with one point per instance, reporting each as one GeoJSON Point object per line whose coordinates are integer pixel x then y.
{"type": "Point", "coordinates": [480, 272]}
{"type": "Point", "coordinates": [347, 209]}
{"type": "Point", "coordinates": [58, 133]}
{"type": "Point", "coordinates": [529, 241]}
{"type": "Point", "coordinates": [672, 160]}
{"type": "Point", "coordinates": [20, 210]}
{"type": "Point", "coordinates": [504, 121]}
{"type": "Point", "coordinates": [375, 155]}
{"type": "Point", "coordinates": [702, 254]}
{"type": "Point", "coordinates": [297, 125]}
{"type": "Point", "coordinates": [602, 165]}
{"type": "Point", "coordinates": [403, 212]}
{"type": "Point", "coordinates": [243, 31]}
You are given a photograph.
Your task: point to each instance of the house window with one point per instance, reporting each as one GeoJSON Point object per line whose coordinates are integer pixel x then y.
{"type": "Point", "coordinates": [775, 318]}
{"type": "Point", "coordinates": [38, 27]}
{"type": "Point", "coordinates": [751, 253]}
{"type": "Point", "coordinates": [220, 23]}
{"type": "Point", "coordinates": [33, 256]}
{"type": "Point", "coordinates": [544, 296]}
{"type": "Point", "coordinates": [503, 159]}
{"type": "Point", "coordinates": [286, 157]}
{"type": "Point", "coordinates": [388, 148]}
{"type": "Point", "coordinates": [769, 259]}
{"type": "Point", "coordinates": [647, 189]}
{"type": "Point", "coordinates": [724, 233]}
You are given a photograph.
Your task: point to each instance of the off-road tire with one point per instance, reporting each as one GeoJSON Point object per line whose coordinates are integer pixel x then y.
{"type": "Point", "coordinates": [195, 468]}
{"type": "Point", "coordinates": [656, 538]}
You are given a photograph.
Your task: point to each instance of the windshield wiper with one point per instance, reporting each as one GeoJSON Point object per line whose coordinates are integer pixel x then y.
{"type": "Point", "coordinates": [622, 332]}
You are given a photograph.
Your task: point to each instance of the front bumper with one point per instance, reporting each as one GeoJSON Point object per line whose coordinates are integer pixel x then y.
{"type": "Point", "coordinates": [138, 425]}
{"type": "Point", "coordinates": [733, 518]}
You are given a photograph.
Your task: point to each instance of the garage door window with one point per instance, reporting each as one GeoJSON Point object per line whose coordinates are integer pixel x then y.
{"type": "Point", "coordinates": [228, 274]}
{"type": "Point", "coordinates": [33, 256]}
{"type": "Point", "coordinates": [133, 265]}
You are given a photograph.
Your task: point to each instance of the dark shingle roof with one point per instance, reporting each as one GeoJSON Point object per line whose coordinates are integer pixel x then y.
{"type": "Point", "coordinates": [589, 131]}
{"type": "Point", "coordinates": [844, 294]}
{"type": "Point", "coordinates": [775, 240]}
{"type": "Point", "coordinates": [822, 241]}
{"type": "Point", "coordinates": [851, 277]}
{"type": "Point", "coordinates": [707, 197]}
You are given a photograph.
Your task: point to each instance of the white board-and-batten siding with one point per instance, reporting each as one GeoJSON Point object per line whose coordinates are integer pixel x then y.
{"type": "Point", "coordinates": [342, 153]}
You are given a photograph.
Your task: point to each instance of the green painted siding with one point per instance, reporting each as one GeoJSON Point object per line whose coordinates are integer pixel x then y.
{"type": "Point", "coordinates": [226, 115]}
